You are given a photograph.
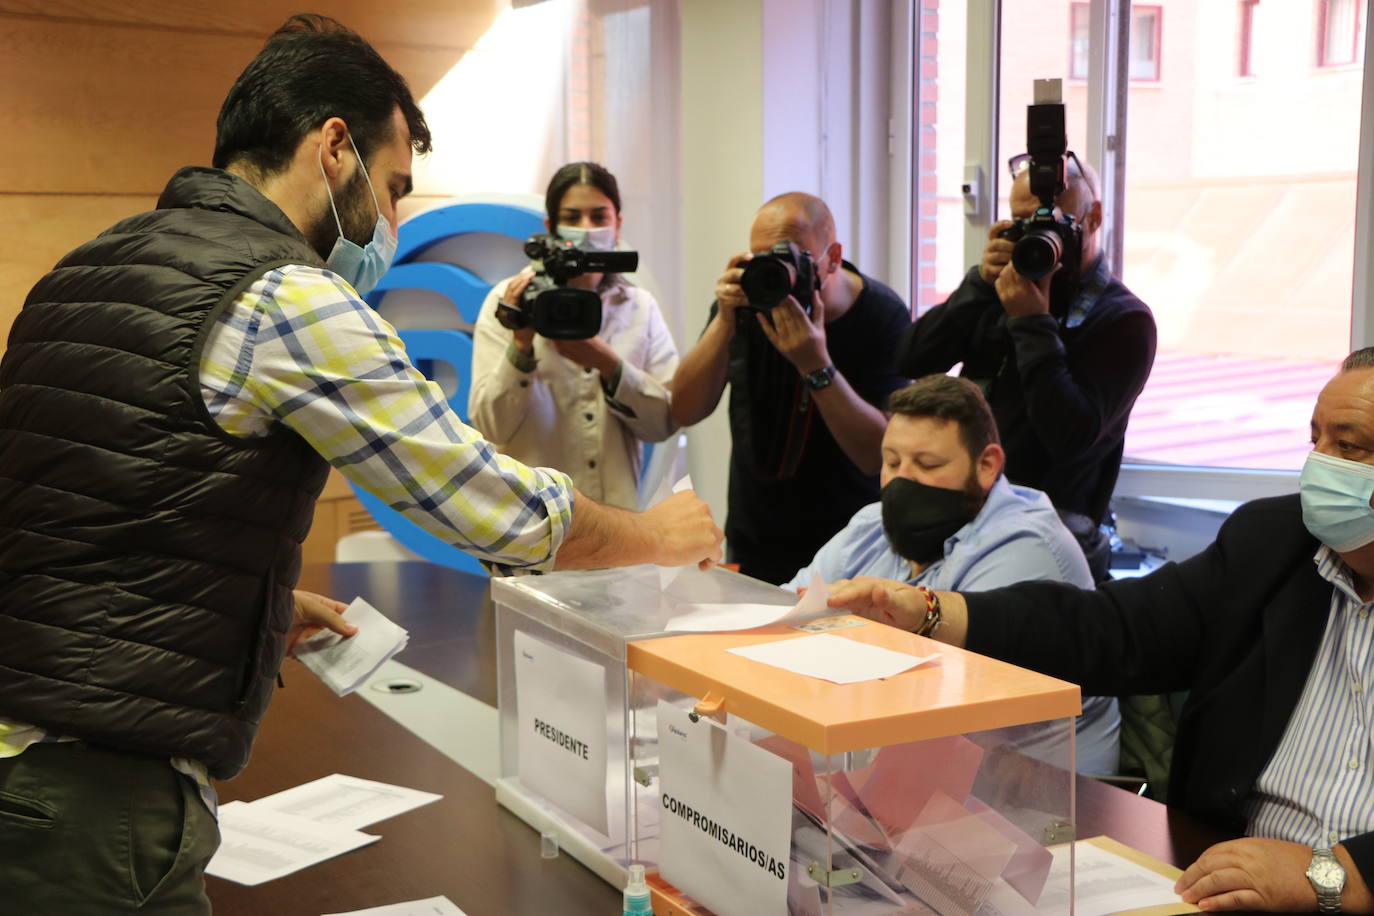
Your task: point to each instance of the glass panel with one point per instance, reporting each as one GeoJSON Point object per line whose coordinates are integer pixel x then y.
{"type": "Point", "coordinates": [1240, 238]}
{"type": "Point", "coordinates": [1340, 25]}
{"type": "Point", "coordinates": [1145, 34]}
{"type": "Point", "coordinates": [1079, 15]}
{"type": "Point", "coordinates": [941, 78]}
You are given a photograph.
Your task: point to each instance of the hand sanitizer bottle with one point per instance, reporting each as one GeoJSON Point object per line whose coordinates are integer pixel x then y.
{"type": "Point", "coordinates": [637, 894]}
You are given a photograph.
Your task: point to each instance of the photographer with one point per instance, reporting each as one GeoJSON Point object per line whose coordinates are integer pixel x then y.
{"type": "Point", "coordinates": [581, 406]}
{"type": "Point", "coordinates": [806, 389]}
{"type": "Point", "coordinates": [1061, 362]}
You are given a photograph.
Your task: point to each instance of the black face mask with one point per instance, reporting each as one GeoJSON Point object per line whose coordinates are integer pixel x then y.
{"type": "Point", "coordinates": [918, 518]}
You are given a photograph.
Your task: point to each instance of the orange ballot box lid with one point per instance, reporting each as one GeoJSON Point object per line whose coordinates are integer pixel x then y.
{"type": "Point", "coordinates": [957, 693]}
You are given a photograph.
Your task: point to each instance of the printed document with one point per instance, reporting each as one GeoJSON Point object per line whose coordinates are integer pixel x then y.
{"type": "Point", "coordinates": [1112, 878]}
{"type": "Point", "coordinates": [434, 906]}
{"type": "Point", "coordinates": [345, 801]}
{"type": "Point", "coordinates": [257, 845]}
{"type": "Point", "coordinates": [345, 663]}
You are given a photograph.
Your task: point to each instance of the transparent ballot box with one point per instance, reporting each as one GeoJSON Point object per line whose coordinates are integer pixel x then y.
{"type": "Point", "coordinates": [567, 763]}
{"type": "Point", "coordinates": [947, 788]}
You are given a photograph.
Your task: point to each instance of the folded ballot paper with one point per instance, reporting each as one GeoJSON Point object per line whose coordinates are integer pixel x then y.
{"type": "Point", "coordinates": [344, 663]}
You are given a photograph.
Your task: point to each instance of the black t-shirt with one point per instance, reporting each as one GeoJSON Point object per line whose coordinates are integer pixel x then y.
{"type": "Point", "coordinates": [791, 485]}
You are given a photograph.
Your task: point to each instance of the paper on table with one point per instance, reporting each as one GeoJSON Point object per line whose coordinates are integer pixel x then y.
{"type": "Point", "coordinates": [833, 658]}
{"type": "Point", "coordinates": [343, 664]}
{"type": "Point", "coordinates": [257, 845]}
{"type": "Point", "coordinates": [1107, 881]}
{"type": "Point", "coordinates": [713, 618]}
{"type": "Point", "coordinates": [346, 801]}
{"type": "Point", "coordinates": [433, 906]}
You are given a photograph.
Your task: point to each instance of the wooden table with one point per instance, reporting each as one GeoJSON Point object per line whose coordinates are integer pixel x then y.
{"type": "Point", "coordinates": [465, 846]}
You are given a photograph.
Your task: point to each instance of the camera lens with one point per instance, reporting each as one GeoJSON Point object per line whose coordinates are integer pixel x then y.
{"type": "Point", "coordinates": [766, 281]}
{"type": "Point", "coordinates": [1036, 254]}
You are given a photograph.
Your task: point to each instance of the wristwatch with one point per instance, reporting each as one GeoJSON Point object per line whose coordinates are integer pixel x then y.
{"type": "Point", "coordinates": [1328, 880]}
{"type": "Point", "coordinates": [819, 379]}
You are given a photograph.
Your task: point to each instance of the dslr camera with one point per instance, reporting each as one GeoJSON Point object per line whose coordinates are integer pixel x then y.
{"type": "Point", "coordinates": [784, 270]}
{"type": "Point", "coordinates": [1042, 239]}
{"type": "Point", "coordinates": [548, 304]}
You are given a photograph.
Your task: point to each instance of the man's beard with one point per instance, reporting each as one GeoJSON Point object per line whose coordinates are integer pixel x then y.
{"type": "Point", "coordinates": [357, 214]}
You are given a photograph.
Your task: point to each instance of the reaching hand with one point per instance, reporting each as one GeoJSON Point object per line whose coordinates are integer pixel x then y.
{"type": "Point", "coordinates": [684, 531]}
{"type": "Point", "coordinates": [314, 613]}
{"type": "Point", "coordinates": [524, 338]}
{"type": "Point", "coordinates": [796, 336]}
{"type": "Point", "coordinates": [884, 600]}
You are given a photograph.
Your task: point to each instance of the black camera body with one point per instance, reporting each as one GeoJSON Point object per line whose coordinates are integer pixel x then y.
{"type": "Point", "coordinates": [1043, 240]}
{"type": "Point", "coordinates": [548, 304]}
{"type": "Point", "coordinates": [784, 270]}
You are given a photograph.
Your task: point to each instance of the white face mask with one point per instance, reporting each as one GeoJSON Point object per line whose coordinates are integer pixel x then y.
{"type": "Point", "coordinates": [361, 267]}
{"type": "Point", "coordinates": [602, 238]}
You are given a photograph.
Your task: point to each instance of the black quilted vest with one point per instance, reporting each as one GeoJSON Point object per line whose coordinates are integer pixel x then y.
{"type": "Point", "coordinates": [146, 556]}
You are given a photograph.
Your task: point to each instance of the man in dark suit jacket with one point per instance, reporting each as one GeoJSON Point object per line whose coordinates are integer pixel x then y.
{"type": "Point", "coordinates": [1269, 629]}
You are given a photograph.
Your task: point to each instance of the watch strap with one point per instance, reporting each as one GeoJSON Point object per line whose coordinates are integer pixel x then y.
{"type": "Point", "coordinates": [819, 379]}
{"type": "Point", "coordinates": [1328, 896]}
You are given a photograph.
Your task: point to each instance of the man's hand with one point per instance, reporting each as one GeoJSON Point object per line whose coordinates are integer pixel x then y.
{"type": "Point", "coordinates": [315, 613]}
{"type": "Point", "coordinates": [1251, 874]}
{"type": "Point", "coordinates": [998, 253]}
{"type": "Point", "coordinates": [799, 338]}
{"type": "Point", "coordinates": [1021, 297]}
{"type": "Point", "coordinates": [524, 338]}
{"type": "Point", "coordinates": [884, 600]}
{"type": "Point", "coordinates": [684, 531]}
{"type": "Point", "coordinates": [592, 353]}
{"type": "Point", "coordinates": [729, 295]}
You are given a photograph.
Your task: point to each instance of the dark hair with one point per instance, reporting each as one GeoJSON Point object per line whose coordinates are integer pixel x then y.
{"type": "Point", "coordinates": [944, 397]}
{"type": "Point", "coordinates": [312, 69]}
{"type": "Point", "coordinates": [1360, 359]}
{"type": "Point", "coordinates": [575, 173]}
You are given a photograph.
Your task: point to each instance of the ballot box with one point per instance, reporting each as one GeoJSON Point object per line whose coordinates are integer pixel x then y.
{"type": "Point", "coordinates": [567, 753]}
{"type": "Point", "coordinates": [944, 788]}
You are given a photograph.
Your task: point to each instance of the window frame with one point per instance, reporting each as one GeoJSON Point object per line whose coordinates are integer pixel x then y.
{"type": "Point", "coordinates": [1323, 20]}
{"type": "Point", "coordinates": [1245, 40]}
{"type": "Point", "coordinates": [1158, 11]}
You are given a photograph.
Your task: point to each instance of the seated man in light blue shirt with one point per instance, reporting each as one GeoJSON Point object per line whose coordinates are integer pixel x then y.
{"type": "Point", "coordinates": [949, 520]}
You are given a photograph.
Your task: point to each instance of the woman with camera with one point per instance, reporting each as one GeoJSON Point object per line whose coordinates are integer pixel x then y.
{"type": "Point", "coordinates": [581, 406]}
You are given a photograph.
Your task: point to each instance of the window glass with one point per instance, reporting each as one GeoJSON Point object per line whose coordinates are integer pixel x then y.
{"type": "Point", "coordinates": [1145, 35]}
{"type": "Point", "coordinates": [1338, 30]}
{"type": "Point", "coordinates": [1078, 41]}
{"type": "Point", "coordinates": [1245, 60]}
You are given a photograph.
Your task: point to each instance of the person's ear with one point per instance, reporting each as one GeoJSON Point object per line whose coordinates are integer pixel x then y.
{"type": "Point", "coordinates": [835, 255]}
{"type": "Point", "coordinates": [1093, 220]}
{"type": "Point", "coordinates": [331, 139]}
{"type": "Point", "coordinates": [989, 465]}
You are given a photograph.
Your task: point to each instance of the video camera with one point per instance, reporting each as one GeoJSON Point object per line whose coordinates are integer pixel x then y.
{"type": "Point", "coordinates": [548, 304]}
{"type": "Point", "coordinates": [1042, 240]}
{"type": "Point", "coordinates": [784, 270]}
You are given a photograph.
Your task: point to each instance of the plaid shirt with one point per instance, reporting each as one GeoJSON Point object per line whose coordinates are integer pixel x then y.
{"type": "Point", "coordinates": [298, 347]}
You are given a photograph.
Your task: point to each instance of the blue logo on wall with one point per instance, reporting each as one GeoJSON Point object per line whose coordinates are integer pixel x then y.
{"type": "Point", "coordinates": [414, 269]}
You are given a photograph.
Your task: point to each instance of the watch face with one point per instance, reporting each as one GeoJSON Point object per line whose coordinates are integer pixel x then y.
{"type": "Point", "coordinates": [1326, 873]}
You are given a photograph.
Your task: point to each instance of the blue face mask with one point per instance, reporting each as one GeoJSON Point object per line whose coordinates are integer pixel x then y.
{"type": "Point", "coordinates": [361, 267]}
{"type": "Point", "coordinates": [1335, 494]}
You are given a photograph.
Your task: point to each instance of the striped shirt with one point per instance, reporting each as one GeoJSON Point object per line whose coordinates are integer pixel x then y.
{"type": "Point", "coordinates": [299, 348]}
{"type": "Point", "coordinates": [1318, 789]}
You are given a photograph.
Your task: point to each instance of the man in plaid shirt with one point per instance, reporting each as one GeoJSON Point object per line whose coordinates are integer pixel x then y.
{"type": "Point", "coordinates": [171, 398]}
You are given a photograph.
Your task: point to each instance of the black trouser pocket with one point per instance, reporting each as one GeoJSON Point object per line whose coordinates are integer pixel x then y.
{"type": "Point", "coordinates": [25, 812]}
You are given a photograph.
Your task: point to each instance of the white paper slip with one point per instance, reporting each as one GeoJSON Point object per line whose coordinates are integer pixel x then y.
{"type": "Point", "coordinates": [257, 845]}
{"type": "Point", "coordinates": [434, 906]}
{"type": "Point", "coordinates": [344, 664]}
{"type": "Point", "coordinates": [713, 618]}
{"type": "Point", "coordinates": [833, 658]}
{"type": "Point", "coordinates": [345, 801]}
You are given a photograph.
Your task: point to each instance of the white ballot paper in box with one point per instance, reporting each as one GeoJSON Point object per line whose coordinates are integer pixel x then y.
{"type": "Point", "coordinates": [726, 821]}
{"type": "Point", "coordinates": [833, 658]}
{"type": "Point", "coordinates": [257, 845]}
{"type": "Point", "coordinates": [344, 663]}
{"type": "Point", "coordinates": [432, 906]}
{"type": "Point", "coordinates": [560, 701]}
{"type": "Point", "coordinates": [345, 801]}
{"type": "Point", "coordinates": [713, 618]}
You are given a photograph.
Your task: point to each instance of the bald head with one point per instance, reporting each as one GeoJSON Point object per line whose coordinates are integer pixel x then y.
{"type": "Point", "coordinates": [793, 217]}
{"type": "Point", "coordinates": [1078, 199]}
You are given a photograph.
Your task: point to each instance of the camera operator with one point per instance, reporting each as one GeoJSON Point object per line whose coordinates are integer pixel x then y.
{"type": "Point", "coordinates": [1061, 362]}
{"type": "Point", "coordinates": [581, 406]}
{"type": "Point", "coordinates": [805, 395]}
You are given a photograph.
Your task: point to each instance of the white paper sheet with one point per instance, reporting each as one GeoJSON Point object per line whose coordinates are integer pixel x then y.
{"type": "Point", "coordinates": [1104, 883]}
{"type": "Point", "coordinates": [259, 845]}
{"type": "Point", "coordinates": [561, 704]}
{"type": "Point", "coordinates": [833, 658]}
{"type": "Point", "coordinates": [714, 618]}
{"type": "Point", "coordinates": [726, 817]}
{"type": "Point", "coordinates": [434, 906]}
{"type": "Point", "coordinates": [345, 801]}
{"type": "Point", "coordinates": [344, 664]}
